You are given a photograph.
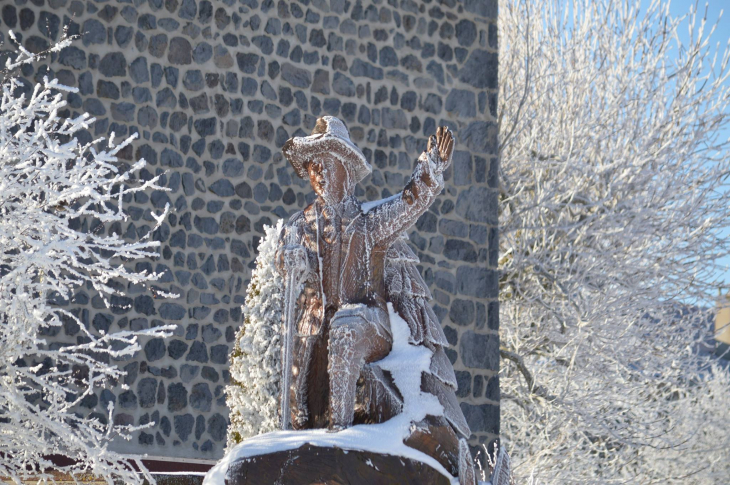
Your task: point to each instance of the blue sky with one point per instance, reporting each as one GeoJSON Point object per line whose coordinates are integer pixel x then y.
{"type": "Point", "coordinates": [721, 35]}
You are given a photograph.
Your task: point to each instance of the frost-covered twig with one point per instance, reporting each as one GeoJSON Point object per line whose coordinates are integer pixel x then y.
{"type": "Point", "coordinates": [24, 56]}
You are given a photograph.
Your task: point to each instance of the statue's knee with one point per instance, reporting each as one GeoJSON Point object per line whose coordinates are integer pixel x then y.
{"type": "Point", "coordinates": [345, 329]}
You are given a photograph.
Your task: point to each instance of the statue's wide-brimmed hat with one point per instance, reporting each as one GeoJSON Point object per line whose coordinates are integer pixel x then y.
{"type": "Point", "coordinates": [330, 136]}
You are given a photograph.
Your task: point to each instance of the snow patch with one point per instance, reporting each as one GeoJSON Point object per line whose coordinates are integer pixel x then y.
{"type": "Point", "coordinates": [368, 206]}
{"type": "Point", "coordinates": [369, 463]}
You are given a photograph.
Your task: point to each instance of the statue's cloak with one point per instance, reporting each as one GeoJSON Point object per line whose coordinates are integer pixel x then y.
{"type": "Point", "coordinates": [410, 297]}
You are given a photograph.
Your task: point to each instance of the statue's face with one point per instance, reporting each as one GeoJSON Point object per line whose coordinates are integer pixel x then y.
{"type": "Point", "coordinates": [316, 177]}
{"type": "Point", "coordinates": [329, 181]}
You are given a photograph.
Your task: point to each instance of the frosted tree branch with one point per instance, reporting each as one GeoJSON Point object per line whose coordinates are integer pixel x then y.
{"type": "Point", "coordinates": [57, 198]}
{"type": "Point", "coordinates": [614, 190]}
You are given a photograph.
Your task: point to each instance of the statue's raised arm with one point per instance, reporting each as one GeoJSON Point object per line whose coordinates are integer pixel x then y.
{"type": "Point", "coordinates": [396, 214]}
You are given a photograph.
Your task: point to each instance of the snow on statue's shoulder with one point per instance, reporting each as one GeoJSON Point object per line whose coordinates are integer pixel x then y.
{"type": "Point", "coordinates": [368, 206]}
{"type": "Point", "coordinates": [406, 362]}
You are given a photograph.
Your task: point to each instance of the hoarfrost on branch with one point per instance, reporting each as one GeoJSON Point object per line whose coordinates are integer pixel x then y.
{"type": "Point", "coordinates": [614, 199]}
{"type": "Point", "coordinates": [52, 188]}
{"type": "Point", "coordinates": [253, 396]}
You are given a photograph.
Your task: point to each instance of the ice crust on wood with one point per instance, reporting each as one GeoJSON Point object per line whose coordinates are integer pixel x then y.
{"type": "Point", "coordinates": [377, 396]}
{"type": "Point", "coordinates": [253, 397]}
{"type": "Point", "coordinates": [329, 134]}
{"type": "Point", "coordinates": [502, 474]}
{"type": "Point", "coordinates": [409, 295]}
{"type": "Point", "coordinates": [406, 363]}
{"type": "Point", "coordinates": [368, 206]}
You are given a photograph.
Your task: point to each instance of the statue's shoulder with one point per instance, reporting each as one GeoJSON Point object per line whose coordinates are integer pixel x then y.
{"type": "Point", "coordinates": [301, 223]}
{"type": "Point", "coordinates": [299, 218]}
{"type": "Point", "coordinates": [352, 207]}
{"type": "Point", "coordinates": [296, 219]}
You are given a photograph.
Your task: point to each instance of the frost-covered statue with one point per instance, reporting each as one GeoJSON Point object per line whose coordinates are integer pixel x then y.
{"type": "Point", "coordinates": [342, 262]}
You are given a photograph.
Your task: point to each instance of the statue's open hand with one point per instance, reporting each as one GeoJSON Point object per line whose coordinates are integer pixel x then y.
{"type": "Point", "coordinates": [441, 147]}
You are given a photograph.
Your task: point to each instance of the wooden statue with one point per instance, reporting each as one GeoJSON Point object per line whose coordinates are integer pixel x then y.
{"type": "Point", "coordinates": [343, 263]}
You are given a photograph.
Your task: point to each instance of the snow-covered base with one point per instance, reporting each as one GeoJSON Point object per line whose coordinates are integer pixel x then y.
{"type": "Point", "coordinates": [376, 438]}
{"type": "Point", "coordinates": [406, 362]}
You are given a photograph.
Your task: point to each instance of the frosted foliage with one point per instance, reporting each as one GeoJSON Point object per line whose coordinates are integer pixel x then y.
{"type": "Point", "coordinates": [50, 184]}
{"type": "Point", "coordinates": [614, 201]}
{"type": "Point", "coordinates": [253, 396]}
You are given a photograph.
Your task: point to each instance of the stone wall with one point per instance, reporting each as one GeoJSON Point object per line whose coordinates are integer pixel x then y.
{"type": "Point", "coordinates": [214, 89]}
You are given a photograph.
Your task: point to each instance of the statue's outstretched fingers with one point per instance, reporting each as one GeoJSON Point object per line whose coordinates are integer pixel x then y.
{"type": "Point", "coordinates": [432, 142]}
{"type": "Point", "coordinates": [446, 146]}
{"type": "Point", "coordinates": [443, 134]}
{"type": "Point", "coordinates": [449, 147]}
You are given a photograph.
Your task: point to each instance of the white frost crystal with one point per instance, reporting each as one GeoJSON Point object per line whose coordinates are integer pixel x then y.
{"type": "Point", "coordinates": [253, 396]}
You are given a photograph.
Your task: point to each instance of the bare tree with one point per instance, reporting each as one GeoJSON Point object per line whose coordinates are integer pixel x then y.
{"type": "Point", "coordinates": [614, 199]}
{"type": "Point", "coordinates": [49, 183]}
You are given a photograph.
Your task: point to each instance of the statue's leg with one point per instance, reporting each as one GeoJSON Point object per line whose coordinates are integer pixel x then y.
{"type": "Point", "coordinates": [357, 336]}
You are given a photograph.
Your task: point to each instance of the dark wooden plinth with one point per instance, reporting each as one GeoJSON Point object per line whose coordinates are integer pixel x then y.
{"type": "Point", "coordinates": [313, 465]}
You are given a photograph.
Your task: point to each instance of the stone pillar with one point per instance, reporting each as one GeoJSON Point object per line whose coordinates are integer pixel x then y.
{"type": "Point", "coordinates": [214, 89]}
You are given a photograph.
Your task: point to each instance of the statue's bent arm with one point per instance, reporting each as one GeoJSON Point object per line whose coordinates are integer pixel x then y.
{"type": "Point", "coordinates": [387, 220]}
